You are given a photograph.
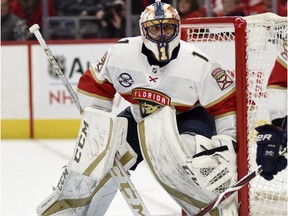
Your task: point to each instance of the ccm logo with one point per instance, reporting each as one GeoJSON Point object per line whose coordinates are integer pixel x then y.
{"type": "Point", "coordinates": [128, 192]}
{"type": "Point", "coordinates": [81, 141]}
{"type": "Point", "coordinates": [263, 137]}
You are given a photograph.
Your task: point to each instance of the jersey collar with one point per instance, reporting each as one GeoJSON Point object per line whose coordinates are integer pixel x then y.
{"type": "Point", "coordinates": [153, 61]}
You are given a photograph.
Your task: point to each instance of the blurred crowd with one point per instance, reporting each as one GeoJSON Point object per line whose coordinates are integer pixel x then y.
{"type": "Point", "coordinates": [107, 18]}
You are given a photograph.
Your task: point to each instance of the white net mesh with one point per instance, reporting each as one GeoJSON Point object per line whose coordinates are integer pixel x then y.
{"type": "Point", "coordinates": [264, 38]}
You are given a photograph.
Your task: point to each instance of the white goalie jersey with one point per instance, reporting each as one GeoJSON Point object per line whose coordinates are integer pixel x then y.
{"type": "Point", "coordinates": [190, 80]}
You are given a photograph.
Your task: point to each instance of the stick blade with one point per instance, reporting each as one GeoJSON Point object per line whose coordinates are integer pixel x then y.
{"type": "Point", "coordinates": [34, 28]}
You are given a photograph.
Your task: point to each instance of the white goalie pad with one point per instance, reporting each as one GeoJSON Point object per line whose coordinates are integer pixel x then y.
{"type": "Point", "coordinates": [165, 153]}
{"type": "Point", "coordinates": [85, 186]}
{"type": "Point", "coordinates": [101, 135]}
{"type": "Point", "coordinates": [75, 196]}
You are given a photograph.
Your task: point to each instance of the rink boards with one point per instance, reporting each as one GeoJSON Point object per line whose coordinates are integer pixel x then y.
{"type": "Point", "coordinates": [34, 102]}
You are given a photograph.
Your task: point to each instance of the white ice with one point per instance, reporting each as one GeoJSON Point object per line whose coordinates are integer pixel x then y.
{"type": "Point", "coordinates": [30, 168]}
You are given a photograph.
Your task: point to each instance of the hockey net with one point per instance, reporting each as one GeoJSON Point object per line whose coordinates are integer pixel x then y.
{"type": "Point", "coordinates": [248, 47]}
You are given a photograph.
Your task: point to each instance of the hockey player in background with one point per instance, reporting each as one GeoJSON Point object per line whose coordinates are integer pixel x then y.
{"type": "Point", "coordinates": [272, 138]}
{"type": "Point", "coordinates": [181, 121]}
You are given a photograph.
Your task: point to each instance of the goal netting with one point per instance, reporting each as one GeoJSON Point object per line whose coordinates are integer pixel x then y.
{"type": "Point", "coordinates": [248, 47]}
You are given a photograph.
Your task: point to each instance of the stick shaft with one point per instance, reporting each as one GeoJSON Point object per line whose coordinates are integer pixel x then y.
{"type": "Point", "coordinates": [227, 193]}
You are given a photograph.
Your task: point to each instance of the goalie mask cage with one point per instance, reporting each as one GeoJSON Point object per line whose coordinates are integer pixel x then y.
{"type": "Point", "coordinates": [247, 47]}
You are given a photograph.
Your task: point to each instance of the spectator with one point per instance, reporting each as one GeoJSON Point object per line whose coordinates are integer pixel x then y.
{"type": "Point", "coordinates": [139, 6]}
{"type": "Point", "coordinates": [188, 9]}
{"type": "Point", "coordinates": [112, 19]}
{"type": "Point", "coordinates": [232, 8]}
{"type": "Point", "coordinates": [281, 7]}
{"type": "Point", "coordinates": [263, 6]}
{"type": "Point", "coordinates": [12, 27]}
{"type": "Point", "coordinates": [113, 13]}
{"type": "Point", "coordinates": [217, 8]}
{"type": "Point", "coordinates": [212, 8]}
{"type": "Point", "coordinates": [31, 10]}
{"type": "Point", "coordinates": [77, 7]}
{"type": "Point", "coordinates": [256, 7]}
{"type": "Point", "coordinates": [86, 26]}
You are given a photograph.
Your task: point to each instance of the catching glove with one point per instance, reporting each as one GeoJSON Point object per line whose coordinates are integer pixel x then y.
{"type": "Point", "coordinates": [270, 140]}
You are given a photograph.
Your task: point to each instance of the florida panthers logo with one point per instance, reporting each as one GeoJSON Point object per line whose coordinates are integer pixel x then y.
{"type": "Point", "coordinates": [150, 100]}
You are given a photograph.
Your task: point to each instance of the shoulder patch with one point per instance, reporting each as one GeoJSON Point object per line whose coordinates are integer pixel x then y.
{"type": "Point", "coordinates": [222, 78]}
{"type": "Point", "coordinates": [125, 79]}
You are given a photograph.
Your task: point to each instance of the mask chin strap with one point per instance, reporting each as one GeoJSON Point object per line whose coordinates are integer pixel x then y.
{"type": "Point", "coordinates": [163, 51]}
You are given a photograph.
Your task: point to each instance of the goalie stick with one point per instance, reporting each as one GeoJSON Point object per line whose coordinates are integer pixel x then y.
{"type": "Point", "coordinates": [237, 186]}
{"type": "Point", "coordinates": [117, 172]}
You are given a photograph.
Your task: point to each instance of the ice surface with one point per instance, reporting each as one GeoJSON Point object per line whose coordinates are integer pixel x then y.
{"type": "Point", "coordinates": [29, 169]}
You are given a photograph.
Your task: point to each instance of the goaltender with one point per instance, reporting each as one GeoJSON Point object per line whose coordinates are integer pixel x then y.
{"type": "Point", "coordinates": [181, 122]}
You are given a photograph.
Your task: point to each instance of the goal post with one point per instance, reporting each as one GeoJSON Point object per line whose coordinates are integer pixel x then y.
{"type": "Point", "coordinates": [247, 47]}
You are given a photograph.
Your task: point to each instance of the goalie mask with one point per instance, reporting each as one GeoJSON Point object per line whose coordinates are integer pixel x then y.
{"type": "Point", "coordinates": [159, 27]}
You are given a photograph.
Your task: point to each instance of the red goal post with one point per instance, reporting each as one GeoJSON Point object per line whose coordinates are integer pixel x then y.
{"type": "Point", "coordinates": [248, 47]}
